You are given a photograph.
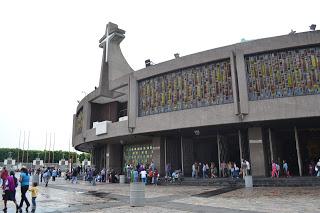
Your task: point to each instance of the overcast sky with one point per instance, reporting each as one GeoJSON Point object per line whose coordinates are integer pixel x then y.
{"type": "Point", "coordinates": [49, 54]}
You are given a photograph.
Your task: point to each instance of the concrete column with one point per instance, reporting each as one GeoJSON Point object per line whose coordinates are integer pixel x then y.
{"type": "Point", "coordinates": [181, 147]}
{"type": "Point", "coordinates": [219, 160]}
{"type": "Point", "coordinates": [242, 82]}
{"type": "Point", "coordinates": [240, 144]}
{"type": "Point", "coordinates": [298, 150]}
{"type": "Point", "coordinates": [156, 156]}
{"type": "Point", "coordinates": [271, 145]}
{"type": "Point", "coordinates": [106, 156]}
{"type": "Point", "coordinates": [165, 151]}
{"type": "Point", "coordinates": [133, 103]}
{"type": "Point", "coordinates": [256, 151]}
{"type": "Point", "coordinates": [234, 77]}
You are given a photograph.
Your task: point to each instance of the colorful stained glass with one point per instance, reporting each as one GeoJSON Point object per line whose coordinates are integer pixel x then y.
{"type": "Point", "coordinates": [142, 154]}
{"type": "Point", "coordinates": [199, 86]}
{"type": "Point", "coordinates": [79, 121]}
{"type": "Point", "coordinates": [284, 73]}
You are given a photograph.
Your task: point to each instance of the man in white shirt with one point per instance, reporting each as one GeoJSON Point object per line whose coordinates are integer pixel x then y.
{"type": "Point", "coordinates": [143, 174]}
{"type": "Point", "coordinates": [248, 167]}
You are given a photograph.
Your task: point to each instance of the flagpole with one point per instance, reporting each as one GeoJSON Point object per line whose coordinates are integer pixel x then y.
{"type": "Point", "coordinates": [24, 140]}
{"type": "Point", "coordinates": [70, 161]}
{"type": "Point", "coordinates": [28, 148]}
{"type": "Point", "coordinates": [45, 148]}
{"type": "Point", "coordinates": [49, 148]}
{"type": "Point", "coordinates": [19, 145]}
{"type": "Point", "coordinates": [54, 142]}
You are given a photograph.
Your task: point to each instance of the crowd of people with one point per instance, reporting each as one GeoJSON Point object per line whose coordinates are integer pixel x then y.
{"type": "Point", "coordinates": [147, 174]}
{"type": "Point", "coordinates": [230, 169]}
{"type": "Point", "coordinates": [9, 183]}
{"type": "Point", "coordinates": [278, 170]}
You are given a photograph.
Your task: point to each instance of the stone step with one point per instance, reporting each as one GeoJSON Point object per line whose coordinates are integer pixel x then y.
{"type": "Point", "coordinates": [257, 182]}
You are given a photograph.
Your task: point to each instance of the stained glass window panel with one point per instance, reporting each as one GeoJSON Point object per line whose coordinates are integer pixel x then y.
{"type": "Point", "coordinates": [284, 73]}
{"type": "Point", "coordinates": [198, 86]}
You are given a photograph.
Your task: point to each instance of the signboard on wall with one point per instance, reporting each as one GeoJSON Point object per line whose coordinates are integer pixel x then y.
{"type": "Point", "coordinates": [63, 162]}
{"type": "Point", "coordinates": [37, 162]}
{"type": "Point", "coordinates": [9, 162]}
{"type": "Point", "coordinates": [101, 127]}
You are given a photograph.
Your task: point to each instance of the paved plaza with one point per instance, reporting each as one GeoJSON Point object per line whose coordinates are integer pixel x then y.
{"type": "Point", "coordinates": [62, 196]}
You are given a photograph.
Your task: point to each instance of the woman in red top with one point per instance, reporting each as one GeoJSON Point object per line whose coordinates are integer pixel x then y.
{"type": "Point", "coordinates": [4, 175]}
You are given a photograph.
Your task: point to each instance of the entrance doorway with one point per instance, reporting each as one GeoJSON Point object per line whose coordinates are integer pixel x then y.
{"type": "Point", "coordinates": [284, 148]}
{"type": "Point", "coordinates": [309, 140]}
{"type": "Point", "coordinates": [206, 150]}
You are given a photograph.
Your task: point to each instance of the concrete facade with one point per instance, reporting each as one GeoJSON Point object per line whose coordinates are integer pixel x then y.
{"type": "Point", "coordinates": [119, 83]}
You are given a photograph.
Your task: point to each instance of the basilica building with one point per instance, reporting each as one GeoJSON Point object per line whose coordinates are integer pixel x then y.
{"type": "Point", "coordinates": [257, 100]}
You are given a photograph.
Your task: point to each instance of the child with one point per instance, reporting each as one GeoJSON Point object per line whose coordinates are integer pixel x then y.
{"type": "Point", "coordinates": [34, 194]}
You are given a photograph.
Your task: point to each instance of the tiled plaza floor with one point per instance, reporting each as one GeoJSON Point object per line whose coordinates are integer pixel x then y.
{"type": "Point", "coordinates": [62, 196]}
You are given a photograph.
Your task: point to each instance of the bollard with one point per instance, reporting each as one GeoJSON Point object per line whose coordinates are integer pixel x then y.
{"type": "Point", "coordinates": [122, 179]}
{"type": "Point", "coordinates": [137, 194]}
{"type": "Point", "coordinates": [248, 181]}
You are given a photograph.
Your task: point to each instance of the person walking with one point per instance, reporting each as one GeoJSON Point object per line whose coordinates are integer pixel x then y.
{"type": "Point", "coordinates": [41, 175]}
{"type": "Point", "coordinates": [204, 169]}
{"type": "Point", "coordinates": [248, 167]}
{"type": "Point", "coordinates": [318, 168]}
{"type": "Point", "coordinates": [46, 176]}
{"type": "Point", "coordinates": [194, 170]}
{"type": "Point", "coordinates": [75, 175]}
{"type": "Point", "coordinates": [4, 175]}
{"type": "Point", "coordinates": [168, 169]}
{"type": "Point", "coordinates": [135, 176]}
{"type": "Point", "coordinates": [103, 175]}
{"type": "Point", "coordinates": [244, 168]}
{"type": "Point", "coordinates": [54, 174]}
{"type": "Point", "coordinates": [9, 189]}
{"type": "Point", "coordinates": [143, 174]}
{"type": "Point", "coordinates": [24, 180]}
{"type": "Point", "coordinates": [285, 169]}
{"type": "Point", "coordinates": [273, 169]}
{"type": "Point", "coordinates": [34, 194]}
{"type": "Point", "coordinates": [155, 177]}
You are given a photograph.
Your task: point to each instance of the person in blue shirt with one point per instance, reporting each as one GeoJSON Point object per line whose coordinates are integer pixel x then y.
{"type": "Point", "coordinates": [135, 176]}
{"type": "Point", "coordinates": [24, 180]}
{"type": "Point", "coordinates": [54, 174]}
{"type": "Point", "coordinates": [285, 169]}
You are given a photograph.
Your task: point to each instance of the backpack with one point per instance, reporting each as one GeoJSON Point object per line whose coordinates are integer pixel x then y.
{"type": "Point", "coordinates": [11, 183]}
{"type": "Point", "coordinates": [45, 174]}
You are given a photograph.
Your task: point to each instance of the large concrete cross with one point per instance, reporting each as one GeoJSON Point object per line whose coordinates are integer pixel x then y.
{"type": "Point", "coordinates": [113, 63]}
{"type": "Point", "coordinates": [104, 42]}
{"type": "Point", "coordinates": [111, 31]}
